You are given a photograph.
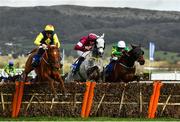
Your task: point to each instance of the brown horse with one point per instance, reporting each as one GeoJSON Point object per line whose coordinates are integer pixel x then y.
{"type": "Point", "coordinates": [48, 69]}
{"type": "Point", "coordinates": [123, 69]}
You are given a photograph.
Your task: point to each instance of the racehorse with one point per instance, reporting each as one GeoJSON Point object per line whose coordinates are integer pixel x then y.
{"type": "Point", "coordinates": [92, 66]}
{"type": "Point", "coordinates": [123, 68]}
{"type": "Point", "coordinates": [48, 68]}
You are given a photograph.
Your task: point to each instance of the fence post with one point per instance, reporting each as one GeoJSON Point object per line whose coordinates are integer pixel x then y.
{"type": "Point", "coordinates": [90, 99]}
{"type": "Point", "coordinates": [154, 99]}
{"type": "Point", "coordinates": [21, 91]}
{"type": "Point", "coordinates": [85, 99]}
{"type": "Point", "coordinates": [17, 98]}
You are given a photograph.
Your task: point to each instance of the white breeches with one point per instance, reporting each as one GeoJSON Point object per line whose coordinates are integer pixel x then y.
{"type": "Point", "coordinates": [82, 54]}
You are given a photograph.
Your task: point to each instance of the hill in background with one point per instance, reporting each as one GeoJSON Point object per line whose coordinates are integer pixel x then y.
{"type": "Point", "coordinates": [19, 26]}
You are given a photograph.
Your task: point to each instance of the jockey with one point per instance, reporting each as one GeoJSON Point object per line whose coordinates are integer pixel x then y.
{"type": "Point", "coordinates": [83, 47]}
{"type": "Point", "coordinates": [117, 52]}
{"type": "Point", "coordinates": [46, 37]}
{"type": "Point", "coordinates": [9, 70]}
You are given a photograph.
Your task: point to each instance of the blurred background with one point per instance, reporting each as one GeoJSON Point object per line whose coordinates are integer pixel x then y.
{"type": "Point", "coordinates": [135, 21]}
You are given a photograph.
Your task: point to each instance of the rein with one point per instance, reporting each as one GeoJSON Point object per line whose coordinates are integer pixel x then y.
{"type": "Point", "coordinates": [48, 62]}
{"type": "Point", "coordinates": [45, 61]}
{"type": "Point", "coordinates": [124, 65]}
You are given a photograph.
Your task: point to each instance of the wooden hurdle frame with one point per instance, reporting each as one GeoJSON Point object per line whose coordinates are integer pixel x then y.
{"type": "Point", "coordinates": [122, 102]}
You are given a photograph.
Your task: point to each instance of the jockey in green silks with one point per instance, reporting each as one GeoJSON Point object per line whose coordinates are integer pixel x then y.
{"type": "Point", "coordinates": [9, 70]}
{"type": "Point", "coordinates": [117, 52]}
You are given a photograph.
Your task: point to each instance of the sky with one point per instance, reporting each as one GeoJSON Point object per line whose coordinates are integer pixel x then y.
{"type": "Point", "coordinates": [166, 5]}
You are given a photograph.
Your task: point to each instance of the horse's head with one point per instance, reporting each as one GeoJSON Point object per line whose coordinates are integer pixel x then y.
{"type": "Point", "coordinates": [99, 46]}
{"type": "Point", "coordinates": [137, 54]}
{"type": "Point", "coordinates": [53, 57]}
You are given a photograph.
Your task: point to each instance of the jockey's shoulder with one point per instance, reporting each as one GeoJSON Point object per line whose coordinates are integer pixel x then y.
{"type": "Point", "coordinates": [83, 38]}
{"type": "Point", "coordinates": [127, 48]}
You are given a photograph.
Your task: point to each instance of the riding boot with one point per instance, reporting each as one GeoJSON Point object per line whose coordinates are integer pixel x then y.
{"type": "Point", "coordinates": [37, 57]}
{"type": "Point", "coordinates": [77, 65]}
{"type": "Point", "coordinates": [109, 67]}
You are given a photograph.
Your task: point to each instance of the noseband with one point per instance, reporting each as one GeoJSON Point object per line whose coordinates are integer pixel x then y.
{"type": "Point", "coordinates": [50, 62]}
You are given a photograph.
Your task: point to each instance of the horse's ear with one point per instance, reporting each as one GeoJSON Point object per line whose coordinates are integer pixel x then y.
{"type": "Point", "coordinates": [133, 46]}
{"type": "Point", "coordinates": [102, 36]}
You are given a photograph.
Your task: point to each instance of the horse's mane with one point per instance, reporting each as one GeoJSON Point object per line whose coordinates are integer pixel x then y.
{"type": "Point", "coordinates": [130, 57]}
{"type": "Point", "coordinates": [34, 50]}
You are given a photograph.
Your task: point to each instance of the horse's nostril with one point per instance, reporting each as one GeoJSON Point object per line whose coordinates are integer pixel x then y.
{"type": "Point", "coordinates": [100, 54]}
{"type": "Point", "coordinates": [142, 62]}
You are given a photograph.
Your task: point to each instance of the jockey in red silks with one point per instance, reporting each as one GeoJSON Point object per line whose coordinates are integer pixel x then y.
{"type": "Point", "coordinates": [83, 47]}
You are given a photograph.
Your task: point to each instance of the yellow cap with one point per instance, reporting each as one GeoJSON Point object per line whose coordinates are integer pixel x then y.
{"type": "Point", "coordinates": [49, 28]}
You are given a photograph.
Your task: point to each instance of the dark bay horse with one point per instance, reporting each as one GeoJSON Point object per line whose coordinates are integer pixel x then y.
{"type": "Point", "coordinates": [123, 68]}
{"type": "Point", "coordinates": [48, 69]}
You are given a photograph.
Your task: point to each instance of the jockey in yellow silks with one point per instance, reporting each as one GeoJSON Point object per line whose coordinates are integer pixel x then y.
{"type": "Point", "coordinates": [46, 37]}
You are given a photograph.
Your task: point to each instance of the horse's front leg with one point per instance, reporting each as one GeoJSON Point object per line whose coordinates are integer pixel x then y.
{"type": "Point", "coordinates": [51, 82]}
{"type": "Point", "coordinates": [60, 80]}
{"type": "Point", "coordinates": [25, 75]}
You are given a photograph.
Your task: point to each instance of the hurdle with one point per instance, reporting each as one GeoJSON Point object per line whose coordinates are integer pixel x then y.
{"type": "Point", "coordinates": [153, 104]}
{"type": "Point", "coordinates": [17, 98]}
{"type": "Point", "coordinates": [88, 99]}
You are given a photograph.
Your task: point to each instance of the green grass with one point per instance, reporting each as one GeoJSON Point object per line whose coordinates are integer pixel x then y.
{"type": "Point", "coordinates": [56, 118]}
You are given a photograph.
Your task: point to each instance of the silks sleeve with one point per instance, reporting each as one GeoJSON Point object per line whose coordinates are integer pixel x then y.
{"type": "Point", "coordinates": [56, 40]}
{"type": "Point", "coordinates": [38, 39]}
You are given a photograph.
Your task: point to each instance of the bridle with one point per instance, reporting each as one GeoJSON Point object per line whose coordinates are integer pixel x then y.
{"type": "Point", "coordinates": [49, 61]}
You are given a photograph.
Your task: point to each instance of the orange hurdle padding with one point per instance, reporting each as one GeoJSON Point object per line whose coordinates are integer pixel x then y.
{"type": "Point", "coordinates": [19, 100]}
{"type": "Point", "coordinates": [156, 99]}
{"type": "Point", "coordinates": [15, 99]}
{"type": "Point", "coordinates": [152, 99]}
{"type": "Point", "coordinates": [85, 99]}
{"type": "Point", "coordinates": [90, 99]}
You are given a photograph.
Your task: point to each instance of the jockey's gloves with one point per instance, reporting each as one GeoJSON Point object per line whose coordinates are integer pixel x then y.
{"type": "Point", "coordinates": [44, 46]}
{"type": "Point", "coordinates": [115, 58]}
{"type": "Point", "coordinates": [88, 47]}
